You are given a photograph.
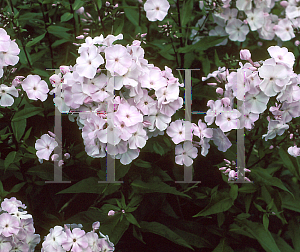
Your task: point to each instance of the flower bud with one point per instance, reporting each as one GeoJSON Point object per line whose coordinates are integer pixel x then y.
{"type": "Point", "coordinates": [297, 42]}
{"type": "Point", "coordinates": [219, 91]}
{"type": "Point", "coordinates": [245, 54]}
{"type": "Point", "coordinates": [111, 213]}
{"type": "Point", "coordinates": [67, 155]}
{"type": "Point", "coordinates": [284, 3]}
{"type": "Point", "coordinates": [80, 10]}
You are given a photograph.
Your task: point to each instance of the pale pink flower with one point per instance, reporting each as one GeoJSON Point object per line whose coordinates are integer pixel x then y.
{"type": "Point", "coordinates": [6, 93]}
{"type": "Point", "coordinates": [88, 62]}
{"type": "Point", "coordinates": [282, 56]}
{"type": "Point", "coordinates": [284, 30]}
{"type": "Point", "coordinates": [237, 30]}
{"type": "Point", "coordinates": [9, 56]}
{"type": "Point", "coordinates": [294, 151]}
{"type": "Point", "coordinates": [44, 146]}
{"type": "Point", "coordinates": [176, 131]}
{"type": "Point", "coordinates": [128, 114]}
{"type": "Point", "coordinates": [9, 225]}
{"type": "Point", "coordinates": [75, 240]}
{"type": "Point", "coordinates": [156, 9]}
{"type": "Point", "coordinates": [118, 60]}
{"type": "Point", "coordinates": [185, 153]}
{"type": "Point", "coordinates": [35, 87]}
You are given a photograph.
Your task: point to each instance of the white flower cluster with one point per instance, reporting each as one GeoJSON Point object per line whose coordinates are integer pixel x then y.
{"type": "Point", "coordinates": [235, 20]}
{"type": "Point", "coordinates": [117, 124]}
{"type": "Point", "coordinates": [16, 227]}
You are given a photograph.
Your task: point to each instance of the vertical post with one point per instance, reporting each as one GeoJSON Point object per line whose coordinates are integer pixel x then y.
{"type": "Point", "coordinates": [110, 161]}
{"type": "Point", "coordinates": [58, 134]}
{"type": "Point", "coordinates": [188, 170]}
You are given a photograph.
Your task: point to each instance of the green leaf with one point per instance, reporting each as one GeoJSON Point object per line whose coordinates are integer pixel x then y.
{"type": "Point", "coordinates": [77, 4]}
{"type": "Point", "coordinates": [223, 247]}
{"type": "Point", "coordinates": [266, 178]}
{"type": "Point", "coordinates": [203, 44]}
{"type": "Point", "coordinates": [118, 25]}
{"type": "Point", "coordinates": [35, 40]}
{"type": "Point", "coordinates": [99, 4]}
{"type": "Point", "coordinates": [17, 187]}
{"type": "Point", "coordinates": [3, 193]}
{"type": "Point", "coordinates": [66, 17]}
{"type": "Point", "coordinates": [142, 163]}
{"type": "Point", "coordinates": [131, 12]}
{"type": "Point", "coordinates": [158, 148]}
{"type": "Point", "coordinates": [59, 42]}
{"type": "Point", "coordinates": [206, 65]}
{"type": "Point", "coordinates": [10, 158]}
{"type": "Point", "coordinates": [89, 185]}
{"type": "Point", "coordinates": [233, 193]}
{"type": "Point", "coordinates": [18, 128]}
{"type": "Point", "coordinates": [219, 203]}
{"type": "Point", "coordinates": [266, 221]}
{"type": "Point", "coordinates": [27, 134]}
{"type": "Point", "coordinates": [44, 171]}
{"type": "Point", "coordinates": [59, 31]}
{"type": "Point", "coordinates": [41, 72]}
{"type": "Point", "coordinates": [294, 231]}
{"type": "Point", "coordinates": [158, 186]}
{"type": "Point", "coordinates": [26, 112]}
{"type": "Point", "coordinates": [164, 231]}
{"type": "Point", "coordinates": [287, 161]}
{"type": "Point", "coordinates": [131, 219]}
{"type": "Point", "coordinates": [186, 11]}
{"type": "Point", "coordinates": [282, 245]}
{"type": "Point", "coordinates": [258, 231]}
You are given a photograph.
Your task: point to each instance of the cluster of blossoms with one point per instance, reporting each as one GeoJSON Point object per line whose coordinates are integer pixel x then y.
{"type": "Point", "coordinates": [8, 57]}
{"type": "Point", "coordinates": [16, 227]}
{"type": "Point", "coordinates": [236, 19]}
{"type": "Point", "coordinates": [230, 171]}
{"type": "Point", "coordinates": [120, 106]}
{"type": "Point", "coordinates": [254, 83]}
{"type": "Point", "coordinates": [73, 238]}
{"type": "Point", "coordinates": [46, 145]}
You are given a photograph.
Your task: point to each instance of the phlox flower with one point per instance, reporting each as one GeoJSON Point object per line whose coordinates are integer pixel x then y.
{"type": "Point", "coordinates": [128, 114]}
{"type": "Point", "coordinates": [221, 140]}
{"type": "Point", "coordinates": [153, 79]}
{"type": "Point", "coordinates": [127, 157]}
{"type": "Point", "coordinates": [255, 19]}
{"type": "Point", "coordinates": [156, 9]}
{"type": "Point", "coordinates": [237, 30]}
{"type": "Point", "coordinates": [44, 146]}
{"type": "Point", "coordinates": [118, 60]}
{"type": "Point", "coordinates": [11, 205]}
{"type": "Point", "coordinates": [256, 103]}
{"type": "Point", "coordinates": [6, 93]}
{"type": "Point", "coordinates": [275, 77]}
{"type": "Point", "coordinates": [35, 88]}
{"type": "Point", "coordinates": [157, 119]}
{"type": "Point", "coordinates": [202, 131]}
{"type": "Point", "coordinates": [244, 5]}
{"type": "Point", "coordinates": [215, 109]}
{"type": "Point", "coordinates": [185, 153]}
{"type": "Point", "coordinates": [5, 244]}
{"type": "Point", "coordinates": [275, 127]}
{"type": "Point", "coordinates": [228, 120]}
{"type": "Point", "coordinates": [138, 138]}
{"type": "Point", "coordinates": [292, 10]}
{"type": "Point", "coordinates": [282, 56]}
{"type": "Point", "coordinates": [54, 239]}
{"type": "Point", "coordinates": [4, 40]}
{"type": "Point", "coordinates": [9, 225]}
{"type": "Point", "coordinates": [75, 239]}
{"type": "Point", "coordinates": [176, 131]}
{"type": "Point", "coordinates": [88, 62]}
{"type": "Point", "coordinates": [32, 240]}
{"type": "Point", "coordinates": [219, 31]}
{"type": "Point", "coordinates": [9, 56]}
{"type": "Point", "coordinates": [294, 151]}
{"type": "Point", "coordinates": [284, 30]}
